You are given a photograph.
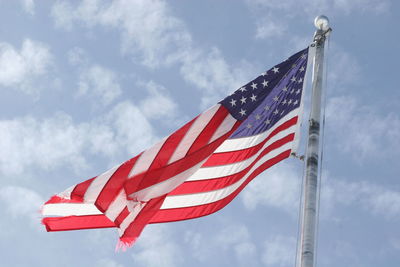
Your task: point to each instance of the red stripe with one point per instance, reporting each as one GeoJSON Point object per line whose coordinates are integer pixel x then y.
{"type": "Point", "coordinates": [179, 214]}
{"type": "Point", "coordinates": [204, 137]}
{"type": "Point", "coordinates": [133, 231]}
{"type": "Point", "coordinates": [240, 155]}
{"type": "Point", "coordinates": [76, 222]}
{"type": "Point", "coordinates": [80, 190]}
{"type": "Point", "coordinates": [169, 146]}
{"type": "Point", "coordinates": [121, 217]}
{"type": "Point", "coordinates": [192, 187]}
{"type": "Point", "coordinates": [150, 178]}
{"type": "Point", "coordinates": [111, 189]}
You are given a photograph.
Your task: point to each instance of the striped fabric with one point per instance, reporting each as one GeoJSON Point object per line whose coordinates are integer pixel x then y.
{"type": "Point", "coordinates": [199, 168]}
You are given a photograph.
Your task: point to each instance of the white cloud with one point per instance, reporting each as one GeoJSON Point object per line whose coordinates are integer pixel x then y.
{"type": "Point", "coordinates": [57, 141]}
{"type": "Point", "coordinates": [359, 130]}
{"type": "Point", "coordinates": [157, 248]}
{"type": "Point", "coordinates": [277, 187]}
{"type": "Point", "coordinates": [77, 57]}
{"type": "Point", "coordinates": [100, 82]}
{"type": "Point", "coordinates": [158, 103]}
{"type": "Point", "coordinates": [266, 28]}
{"type": "Point", "coordinates": [147, 29]}
{"type": "Point", "coordinates": [19, 69]}
{"type": "Point", "coordinates": [312, 7]}
{"type": "Point", "coordinates": [213, 75]}
{"type": "Point", "coordinates": [231, 238]}
{"type": "Point", "coordinates": [21, 202]}
{"type": "Point", "coordinates": [279, 251]}
{"type": "Point", "coordinates": [277, 14]}
{"type": "Point", "coordinates": [29, 6]}
{"type": "Point", "coordinates": [153, 36]}
{"type": "Point", "coordinates": [375, 199]}
{"type": "Point", "coordinates": [106, 262]}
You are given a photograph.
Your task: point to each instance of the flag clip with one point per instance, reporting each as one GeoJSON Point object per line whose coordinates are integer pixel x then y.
{"type": "Point", "coordinates": [300, 157]}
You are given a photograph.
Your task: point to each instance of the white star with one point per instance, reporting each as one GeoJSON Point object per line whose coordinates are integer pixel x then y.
{"type": "Point", "coordinates": [276, 111]}
{"type": "Point", "coordinates": [300, 80]}
{"type": "Point", "coordinates": [276, 98]}
{"type": "Point", "coordinates": [292, 91]}
{"type": "Point", "coordinates": [233, 102]}
{"type": "Point", "coordinates": [298, 91]}
{"type": "Point", "coordinates": [265, 83]}
{"type": "Point", "coordinates": [289, 102]}
{"type": "Point", "coordinates": [249, 126]}
{"type": "Point", "coordinates": [254, 85]}
{"type": "Point", "coordinates": [302, 69]}
{"type": "Point", "coordinates": [303, 56]}
{"type": "Point", "coordinates": [285, 89]}
{"type": "Point", "coordinates": [258, 117]}
{"type": "Point", "coordinates": [253, 97]}
{"type": "Point", "coordinates": [264, 73]}
{"type": "Point", "coordinates": [293, 79]}
{"type": "Point", "coordinates": [267, 122]}
{"type": "Point", "coordinates": [267, 108]}
{"type": "Point", "coordinates": [295, 102]}
{"type": "Point", "coordinates": [242, 112]}
{"type": "Point", "coordinates": [242, 89]}
{"type": "Point", "coordinates": [275, 70]}
{"type": "Point", "coordinates": [243, 100]}
{"type": "Point", "coordinates": [284, 102]}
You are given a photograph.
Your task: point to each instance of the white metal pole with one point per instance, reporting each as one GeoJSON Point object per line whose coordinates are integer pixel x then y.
{"type": "Point", "coordinates": [310, 193]}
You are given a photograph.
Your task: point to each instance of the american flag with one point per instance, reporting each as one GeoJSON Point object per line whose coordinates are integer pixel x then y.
{"type": "Point", "coordinates": [198, 169]}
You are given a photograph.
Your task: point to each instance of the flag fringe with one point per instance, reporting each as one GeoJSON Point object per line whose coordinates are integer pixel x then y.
{"type": "Point", "coordinates": [124, 243]}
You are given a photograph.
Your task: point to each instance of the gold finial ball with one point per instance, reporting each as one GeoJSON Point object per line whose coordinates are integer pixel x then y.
{"type": "Point", "coordinates": [321, 22]}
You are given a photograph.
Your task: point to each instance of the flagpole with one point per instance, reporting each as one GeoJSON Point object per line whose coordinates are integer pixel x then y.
{"type": "Point", "coordinates": [310, 193]}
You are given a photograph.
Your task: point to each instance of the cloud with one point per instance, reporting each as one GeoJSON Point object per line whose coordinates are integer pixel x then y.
{"type": "Point", "coordinates": [156, 38]}
{"type": "Point", "coordinates": [19, 69]}
{"type": "Point", "coordinates": [267, 28]}
{"type": "Point", "coordinates": [278, 187]}
{"type": "Point", "coordinates": [360, 130]}
{"type": "Point", "coordinates": [276, 14]}
{"type": "Point", "coordinates": [158, 103]}
{"type": "Point", "coordinates": [29, 6]}
{"type": "Point", "coordinates": [232, 239]}
{"type": "Point", "coordinates": [375, 199]}
{"type": "Point", "coordinates": [99, 82]}
{"type": "Point", "coordinates": [106, 262]}
{"type": "Point", "coordinates": [21, 203]}
{"type": "Point", "coordinates": [156, 248]}
{"type": "Point", "coordinates": [279, 251]}
{"type": "Point", "coordinates": [58, 141]}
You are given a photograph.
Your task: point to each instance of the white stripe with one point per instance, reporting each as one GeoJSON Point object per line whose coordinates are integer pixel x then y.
{"type": "Point", "coordinates": [229, 169]}
{"type": "Point", "coordinates": [146, 158]}
{"type": "Point", "coordinates": [134, 211]}
{"type": "Point", "coordinates": [97, 185]}
{"type": "Point", "coordinates": [245, 142]}
{"type": "Point", "coordinates": [68, 209]}
{"type": "Point", "coordinates": [166, 186]}
{"type": "Point", "coordinates": [188, 200]}
{"type": "Point", "coordinates": [116, 206]}
{"type": "Point", "coordinates": [225, 127]}
{"type": "Point", "coordinates": [66, 194]}
{"type": "Point", "coordinates": [194, 131]}
{"type": "Point", "coordinates": [297, 137]}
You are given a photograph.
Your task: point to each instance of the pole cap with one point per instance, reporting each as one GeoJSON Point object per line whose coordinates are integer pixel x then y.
{"type": "Point", "coordinates": [321, 22]}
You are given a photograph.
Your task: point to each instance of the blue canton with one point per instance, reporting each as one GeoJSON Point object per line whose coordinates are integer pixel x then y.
{"type": "Point", "coordinates": [269, 97]}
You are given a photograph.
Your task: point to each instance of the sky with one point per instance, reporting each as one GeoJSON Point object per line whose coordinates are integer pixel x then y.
{"type": "Point", "coordinates": [89, 84]}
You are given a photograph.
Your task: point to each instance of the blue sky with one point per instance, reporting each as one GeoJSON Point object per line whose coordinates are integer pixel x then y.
{"type": "Point", "coordinates": [88, 84]}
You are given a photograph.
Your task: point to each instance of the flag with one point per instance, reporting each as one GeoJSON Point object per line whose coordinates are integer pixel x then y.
{"type": "Point", "coordinates": [199, 168]}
